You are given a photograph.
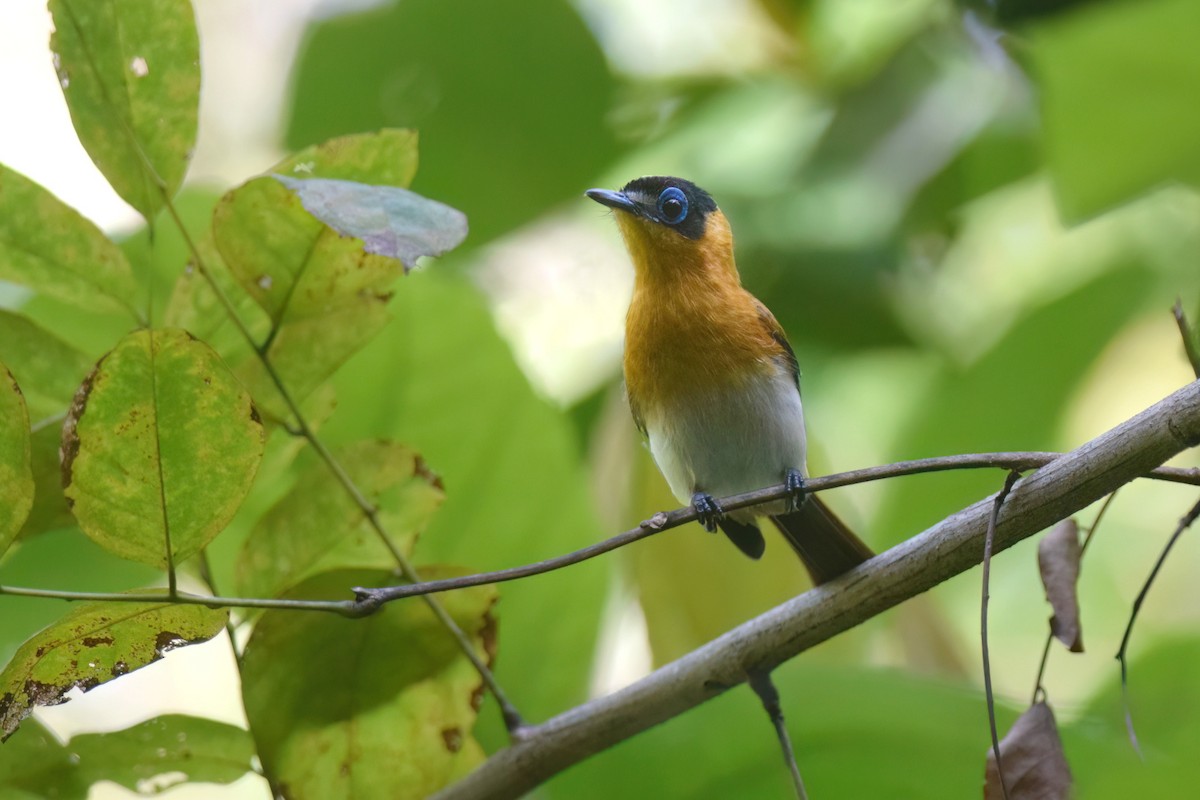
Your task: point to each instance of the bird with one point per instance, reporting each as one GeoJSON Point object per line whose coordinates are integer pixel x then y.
{"type": "Point", "coordinates": [711, 380]}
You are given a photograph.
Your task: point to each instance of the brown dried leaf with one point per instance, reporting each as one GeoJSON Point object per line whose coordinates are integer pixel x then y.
{"type": "Point", "coordinates": [1058, 562]}
{"type": "Point", "coordinates": [1035, 767]}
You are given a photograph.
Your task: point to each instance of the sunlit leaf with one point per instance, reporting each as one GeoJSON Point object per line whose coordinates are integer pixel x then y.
{"type": "Point", "coordinates": [47, 368]}
{"type": "Point", "coordinates": [384, 158]}
{"type": "Point", "coordinates": [1031, 755]}
{"type": "Point", "coordinates": [391, 222]}
{"type": "Point", "coordinates": [16, 473]}
{"type": "Point", "coordinates": [130, 72]}
{"type": "Point", "coordinates": [1118, 102]}
{"type": "Point", "coordinates": [93, 644]}
{"type": "Point", "coordinates": [159, 753]}
{"type": "Point", "coordinates": [51, 248]}
{"type": "Point", "coordinates": [317, 526]}
{"type": "Point", "coordinates": [381, 707]}
{"type": "Point", "coordinates": [161, 441]}
{"type": "Point", "coordinates": [1058, 563]}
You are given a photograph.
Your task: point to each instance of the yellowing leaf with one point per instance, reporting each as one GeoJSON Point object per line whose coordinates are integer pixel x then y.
{"type": "Point", "coordinates": [93, 644]}
{"type": "Point", "coordinates": [161, 442]}
{"type": "Point", "coordinates": [51, 248]}
{"type": "Point", "coordinates": [317, 526]}
{"type": "Point", "coordinates": [130, 72]}
{"type": "Point", "coordinates": [16, 472]}
{"type": "Point", "coordinates": [325, 294]}
{"type": "Point", "coordinates": [381, 707]}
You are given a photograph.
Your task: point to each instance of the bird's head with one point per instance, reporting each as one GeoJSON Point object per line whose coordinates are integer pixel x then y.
{"type": "Point", "coordinates": [670, 225]}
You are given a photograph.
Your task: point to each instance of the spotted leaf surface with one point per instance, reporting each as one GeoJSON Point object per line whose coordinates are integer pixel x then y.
{"type": "Point", "coordinates": [381, 707]}
{"type": "Point", "coordinates": [93, 644]}
{"type": "Point", "coordinates": [161, 444]}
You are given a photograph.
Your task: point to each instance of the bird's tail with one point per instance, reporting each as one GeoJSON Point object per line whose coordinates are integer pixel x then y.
{"type": "Point", "coordinates": [824, 543]}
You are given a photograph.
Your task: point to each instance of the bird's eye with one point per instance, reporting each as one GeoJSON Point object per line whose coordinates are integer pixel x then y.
{"type": "Point", "coordinates": [672, 205]}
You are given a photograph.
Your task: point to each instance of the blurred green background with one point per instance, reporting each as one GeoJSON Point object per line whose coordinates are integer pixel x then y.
{"type": "Point", "coordinates": [972, 218]}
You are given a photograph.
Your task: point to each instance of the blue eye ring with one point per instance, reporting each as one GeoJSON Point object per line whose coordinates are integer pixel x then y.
{"type": "Point", "coordinates": [672, 205]}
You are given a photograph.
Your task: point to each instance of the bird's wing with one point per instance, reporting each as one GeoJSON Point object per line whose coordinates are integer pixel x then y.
{"type": "Point", "coordinates": [772, 326]}
{"type": "Point", "coordinates": [637, 414]}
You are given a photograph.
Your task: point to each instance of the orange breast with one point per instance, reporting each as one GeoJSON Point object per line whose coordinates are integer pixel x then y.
{"type": "Point", "coordinates": [690, 336]}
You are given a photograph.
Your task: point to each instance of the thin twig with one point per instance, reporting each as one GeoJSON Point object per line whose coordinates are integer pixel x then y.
{"type": "Point", "coordinates": [988, 542]}
{"type": "Point", "coordinates": [346, 608]}
{"type": "Point", "coordinates": [1189, 337]}
{"type": "Point", "coordinates": [760, 681]}
{"type": "Point", "coordinates": [368, 600]}
{"type": "Point", "coordinates": [1122, 653]}
{"type": "Point", "coordinates": [672, 519]}
{"type": "Point", "coordinates": [1039, 690]}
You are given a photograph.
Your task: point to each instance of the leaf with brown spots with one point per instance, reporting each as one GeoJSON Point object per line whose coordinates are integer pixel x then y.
{"type": "Point", "coordinates": [312, 529]}
{"type": "Point", "coordinates": [95, 643]}
{"type": "Point", "coordinates": [326, 293]}
{"type": "Point", "coordinates": [376, 707]}
{"type": "Point", "coordinates": [161, 445]}
{"type": "Point", "coordinates": [16, 466]}
{"type": "Point", "coordinates": [1058, 561]}
{"type": "Point", "coordinates": [1035, 767]}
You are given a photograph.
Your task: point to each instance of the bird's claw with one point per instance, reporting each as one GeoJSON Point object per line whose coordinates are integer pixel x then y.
{"type": "Point", "coordinates": [794, 482]}
{"type": "Point", "coordinates": [708, 510]}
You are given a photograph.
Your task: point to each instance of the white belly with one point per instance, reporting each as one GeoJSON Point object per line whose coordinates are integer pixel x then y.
{"type": "Point", "coordinates": [730, 441]}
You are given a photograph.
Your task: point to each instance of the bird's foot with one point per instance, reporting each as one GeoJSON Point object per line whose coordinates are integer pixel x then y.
{"type": "Point", "coordinates": [708, 510]}
{"type": "Point", "coordinates": [794, 482]}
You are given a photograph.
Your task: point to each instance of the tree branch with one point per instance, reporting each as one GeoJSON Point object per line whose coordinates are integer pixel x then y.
{"type": "Point", "coordinates": [1057, 490]}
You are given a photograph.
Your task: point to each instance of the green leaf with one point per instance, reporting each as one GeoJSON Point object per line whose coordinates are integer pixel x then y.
{"type": "Point", "coordinates": [386, 158]}
{"type": "Point", "coordinates": [161, 441]}
{"type": "Point", "coordinates": [391, 222]}
{"type": "Point", "coordinates": [318, 527]}
{"type": "Point", "coordinates": [16, 472]}
{"type": "Point", "coordinates": [381, 707]}
{"type": "Point", "coordinates": [521, 124]}
{"type": "Point", "coordinates": [49, 509]}
{"type": "Point", "coordinates": [1161, 684]}
{"type": "Point", "coordinates": [51, 248]}
{"type": "Point", "coordinates": [48, 369]}
{"type": "Point", "coordinates": [1117, 88]}
{"type": "Point", "coordinates": [93, 644]}
{"type": "Point", "coordinates": [130, 72]}
{"type": "Point", "coordinates": [165, 751]}
{"type": "Point", "coordinates": [36, 766]}
{"type": "Point", "coordinates": [147, 758]}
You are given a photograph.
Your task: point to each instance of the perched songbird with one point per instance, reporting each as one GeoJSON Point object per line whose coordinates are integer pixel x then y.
{"type": "Point", "coordinates": [711, 378]}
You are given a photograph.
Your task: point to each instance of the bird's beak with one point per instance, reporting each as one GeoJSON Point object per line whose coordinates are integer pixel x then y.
{"type": "Point", "coordinates": [617, 200]}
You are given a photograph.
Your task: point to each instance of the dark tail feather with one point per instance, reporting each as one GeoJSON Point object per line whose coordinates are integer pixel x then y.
{"type": "Point", "coordinates": [824, 543]}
